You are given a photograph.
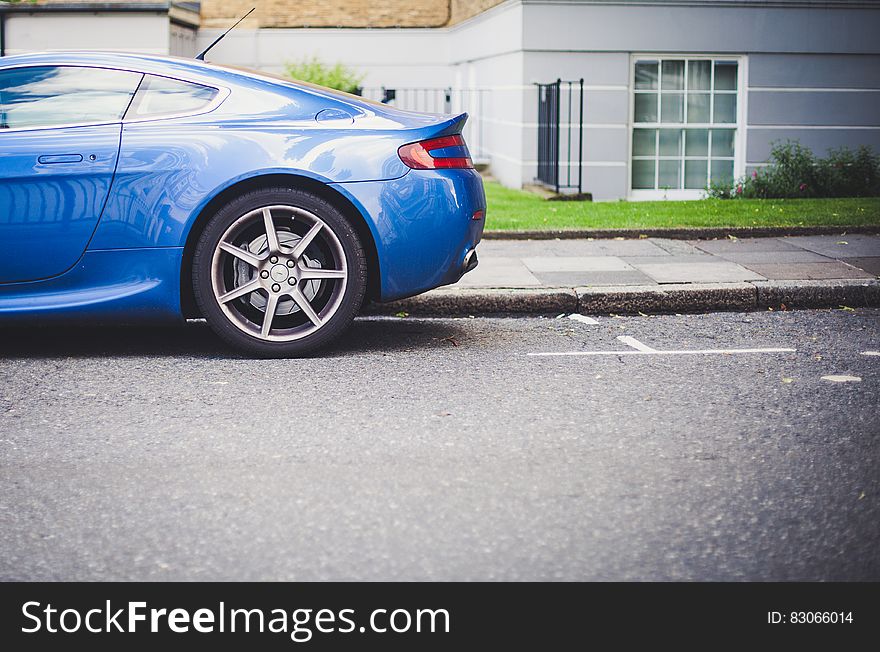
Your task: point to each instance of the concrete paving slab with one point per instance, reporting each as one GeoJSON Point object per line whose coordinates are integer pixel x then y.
{"type": "Point", "coordinates": [500, 272]}
{"type": "Point", "coordinates": [714, 272]}
{"type": "Point", "coordinates": [807, 271]}
{"type": "Point", "coordinates": [575, 264]}
{"type": "Point", "coordinates": [573, 279]}
{"type": "Point", "coordinates": [681, 259]}
{"type": "Point", "coordinates": [870, 264]}
{"type": "Point", "coordinates": [678, 247]}
{"type": "Point", "coordinates": [746, 257]}
{"type": "Point", "coordinates": [546, 276]}
{"type": "Point", "coordinates": [566, 248]}
{"type": "Point", "coordinates": [744, 244]}
{"type": "Point", "coordinates": [853, 245]}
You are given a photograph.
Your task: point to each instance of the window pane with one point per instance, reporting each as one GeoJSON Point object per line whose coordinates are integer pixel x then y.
{"type": "Point", "coordinates": [722, 172]}
{"type": "Point", "coordinates": [725, 108]}
{"type": "Point", "coordinates": [673, 75]}
{"type": "Point", "coordinates": [725, 75]}
{"type": "Point", "coordinates": [698, 107]}
{"type": "Point", "coordinates": [672, 107]}
{"type": "Point", "coordinates": [695, 174]}
{"type": "Point", "coordinates": [699, 75]}
{"type": "Point", "coordinates": [644, 143]}
{"type": "Point", "coordinates": [159, 95]}
{"type": "Point", "coordinates": [646, 75]}
{"type": "Point", "coordinates": [643, 175]}
{"type": "Point", "coordinates": [670, 175]}
{"type": "Point", "coordinates": [670, 142]}
{"type": "Point", "coordinates": [722, 142]}
{"type": "Point", "coordinates": [646, 107]}
{"type": "Point", "coordinates": [46, 96]}
{"type": "Point", "coordinates": [697, 142]}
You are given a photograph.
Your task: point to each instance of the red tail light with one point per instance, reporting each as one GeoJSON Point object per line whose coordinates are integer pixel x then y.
{"type": "Point", "coordinates": [420, 155]}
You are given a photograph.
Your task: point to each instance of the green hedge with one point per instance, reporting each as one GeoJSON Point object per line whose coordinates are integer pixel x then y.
{"type": "Point", "coordinates": [315, 71]}
{"type": "Point", "coordinates": [795, 172]}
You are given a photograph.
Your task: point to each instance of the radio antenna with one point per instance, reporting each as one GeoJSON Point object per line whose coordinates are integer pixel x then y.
{"type": "Point", "coordinates": [201, 55]}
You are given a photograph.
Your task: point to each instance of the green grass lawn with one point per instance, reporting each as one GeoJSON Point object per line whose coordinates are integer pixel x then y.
{"type": "Point", "coordinates": [515, 209]}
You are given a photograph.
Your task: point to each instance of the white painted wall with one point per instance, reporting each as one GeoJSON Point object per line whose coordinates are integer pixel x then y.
{"type": "Point", "coordinates": [182, 41]}
{"type": "Point", "coordinates": [509, 48]}
{"type": "Point", "coordinates": [486, 52]}
{"type": "Point", "coordinates": [146, 33]}
{"type": "Point", "coordinates": [389, 57]}
{"type": "Point", "coordinates": [482, 53]}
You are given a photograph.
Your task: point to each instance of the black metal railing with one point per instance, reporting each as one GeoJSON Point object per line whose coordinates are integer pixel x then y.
{"type": "Point", "coordinates": [561, 110]}
{"type": "Point", "coordinates": [441, 100]}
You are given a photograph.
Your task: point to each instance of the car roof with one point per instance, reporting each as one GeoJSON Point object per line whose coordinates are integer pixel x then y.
{"type": "Point", "coordinates": [210, 74]}
{"type": "Point", "coordinates": [185, 68]}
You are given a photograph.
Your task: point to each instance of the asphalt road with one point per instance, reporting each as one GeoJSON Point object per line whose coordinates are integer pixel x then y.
{"type": "Point", "coordinates": [439, 449]}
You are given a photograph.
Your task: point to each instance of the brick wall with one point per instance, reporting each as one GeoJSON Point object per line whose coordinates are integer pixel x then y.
{"type": "Point", "coordinates": [329, 13]}
{"type": "Point", "coordinates": [464, 9]}
{"type": "Point", "coordinates": [343, 13]}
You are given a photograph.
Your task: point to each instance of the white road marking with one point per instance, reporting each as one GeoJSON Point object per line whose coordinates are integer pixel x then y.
{"type": "Point", "coordinates": [694, 352]}
{"type": "Point", "coordinates": [634, 343]}
{"type": "Point", "coordinates": [644, 349]}
{"type": "Point", "coordinates": [842, 379]}
{"type": "Point", "coordinates": [583, 319]}
{"type": "Point", "coordinates": [876, 353]}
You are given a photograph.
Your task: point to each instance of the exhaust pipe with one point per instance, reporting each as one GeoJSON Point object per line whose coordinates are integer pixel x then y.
{"type": "Point", "coordinates": [470, 261]}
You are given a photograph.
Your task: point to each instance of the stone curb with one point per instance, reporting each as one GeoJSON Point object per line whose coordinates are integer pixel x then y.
{"type": "Point", "coordinates": [679, 234]}
{"type": "Point", "coordinates": [758, 295]}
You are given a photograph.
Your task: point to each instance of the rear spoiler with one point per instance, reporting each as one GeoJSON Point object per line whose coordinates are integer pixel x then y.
{"type": "Point", "coordinates": [449, 127]}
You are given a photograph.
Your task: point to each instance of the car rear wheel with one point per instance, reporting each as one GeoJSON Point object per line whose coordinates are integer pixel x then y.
{"type": "Point", "coordinates": [279, 272]}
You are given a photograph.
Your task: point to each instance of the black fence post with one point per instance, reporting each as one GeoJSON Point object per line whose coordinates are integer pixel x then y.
{"type": "Point", "coordinates": [555, 160]}
{"type": "Point", "coordinates": [581, 142]}
{"type": "Point", "coordinates": [550, 138]}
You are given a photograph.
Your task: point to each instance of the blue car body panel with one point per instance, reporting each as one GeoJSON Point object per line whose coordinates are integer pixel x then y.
{"type": "Point", "coordinates": [52, 197]}
{"type": "Point", "coordinates": [126, 285]}
{"type": "Point", "coordinates": [106, 236]}
{"type": "Point", "coordinates": [425, 206]}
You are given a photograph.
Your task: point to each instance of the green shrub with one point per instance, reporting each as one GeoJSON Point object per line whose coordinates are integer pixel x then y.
{"type": "Point", "coordinates": [315, 71]}
{"type": "Point", "coordinates": [794, 172]}
{"type": "Point", "coordinates": [850, 174]}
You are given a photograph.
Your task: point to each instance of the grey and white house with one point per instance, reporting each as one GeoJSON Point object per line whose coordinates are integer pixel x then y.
{"type": "Point", "coordinates": [677, 94]}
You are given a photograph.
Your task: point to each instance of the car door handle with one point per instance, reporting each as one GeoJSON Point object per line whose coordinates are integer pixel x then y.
{"type": "Point", "coordinates": [60, 158]}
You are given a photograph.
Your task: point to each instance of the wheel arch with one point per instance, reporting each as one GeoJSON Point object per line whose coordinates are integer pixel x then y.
{"type": "Point", "coordinates": [188, 305]}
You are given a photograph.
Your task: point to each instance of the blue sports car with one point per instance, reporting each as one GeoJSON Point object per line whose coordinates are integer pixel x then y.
{"type": "Point", "coordinates": [140, 187]}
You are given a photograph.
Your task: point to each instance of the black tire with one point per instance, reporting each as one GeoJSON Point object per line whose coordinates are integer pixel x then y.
{"type": "Point", "coordinates": [218, 271]}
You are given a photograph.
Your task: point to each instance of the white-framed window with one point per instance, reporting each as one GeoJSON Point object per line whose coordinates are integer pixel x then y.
{"type": "Point", "coordinates": [686, 115]}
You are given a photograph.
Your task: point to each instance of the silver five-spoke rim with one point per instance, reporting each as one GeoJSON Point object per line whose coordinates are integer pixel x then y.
{"type": "Point", "coordinates": [279, 273]}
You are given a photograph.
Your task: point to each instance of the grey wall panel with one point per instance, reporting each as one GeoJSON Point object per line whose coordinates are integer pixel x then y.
{"type": "Point", "coordinates": [605, 107]}
{"type": "Point", "coordinates": [829, 108]}
{"type": "Point", "coordinates": [600, 144]}
{"type": "Point", "coordinates": [600, 107]}
{"type": "Point", "coordinates": [606, 183]}
{"type": "Point", "coordinates": [818, 140]}
{"type": "Point", "coordinates": [596, 68]}
{"type": "Point", "coordinates": [603, 144]}
{"type": "Point", "coordinates": [680, 28]}
{"type": "Point", "coordinates": [815, 70]}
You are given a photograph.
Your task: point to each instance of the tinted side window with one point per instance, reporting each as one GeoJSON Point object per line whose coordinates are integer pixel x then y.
{"type": "Point", "coordinates": [158, 96]}
{"type": "Point", "coordinates": [47, 96]}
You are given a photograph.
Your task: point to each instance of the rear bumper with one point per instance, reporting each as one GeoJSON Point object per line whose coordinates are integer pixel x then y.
{"type": "Point", "coordinates": [423, 227]}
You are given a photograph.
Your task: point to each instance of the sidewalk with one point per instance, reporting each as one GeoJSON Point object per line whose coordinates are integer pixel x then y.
{"type": "Point", "coordinates": [661, 275]}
